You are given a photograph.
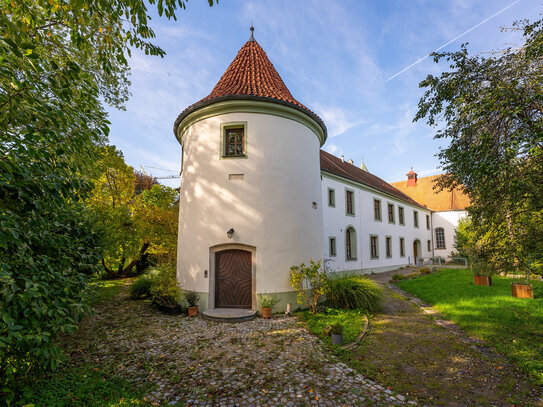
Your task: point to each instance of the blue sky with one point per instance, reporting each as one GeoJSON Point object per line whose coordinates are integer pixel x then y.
{"type": "Point", "coordinates": [334, 56]}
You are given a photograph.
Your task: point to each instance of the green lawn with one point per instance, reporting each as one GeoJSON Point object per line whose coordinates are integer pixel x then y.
{"type": "Point", "coordinates": [514, 326]}
{"type": "Point", "coordinates": [352, 321]}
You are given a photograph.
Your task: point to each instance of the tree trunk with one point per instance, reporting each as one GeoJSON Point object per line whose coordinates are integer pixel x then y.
{"type": "Point", "coordinates": [124, 271]}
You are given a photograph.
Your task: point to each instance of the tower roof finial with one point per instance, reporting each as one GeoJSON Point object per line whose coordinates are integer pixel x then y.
{"type": "Point", "coordinates": [252, 38]}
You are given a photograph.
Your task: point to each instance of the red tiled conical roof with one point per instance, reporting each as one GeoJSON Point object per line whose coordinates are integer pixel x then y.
{"type": "Point", "coordinates": [251, 75]}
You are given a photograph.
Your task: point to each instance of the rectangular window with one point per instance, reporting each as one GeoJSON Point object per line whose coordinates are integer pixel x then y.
{"type": "Point", "coordinates": [400, 216]}
{"type": "Point", "coordinates": [416, 219]}
{"type": "Point", "coordinates": [440, 238]}
{"type": "Point", "coordinates": [428, 222]}
{"type": "Point", "coordinates": [233, 142]}
{"type": "Point", "coordinates": [349, 202]}
{"type": "Point", "coordinates": [389, 246]}
{"type": "Point", "coordinates": [391, 213]}
{"type": "Point", "coordinates": [374, 247]}
{"type": "Point", "coordinates": [429, 245]}
{"type": "Point", "coordinates": [376, 209]}
{"type": "Point", "coordinates": [402, 247]}
{"type": "Point", "coordinates": [331, 197]}
{"type": "Point", "coordinates": [332, 246]}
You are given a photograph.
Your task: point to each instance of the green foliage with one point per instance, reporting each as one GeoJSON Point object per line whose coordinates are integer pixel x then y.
{"type": "Point", "coordinates": [336, 329]}
{"type": "Point", "coordinates": [354, 292]}
{"type": "Point", "coordinates": [511, 325]}
{"type": "Point", "coordinates": [58, 61]}
{"type": "Point", "coordinates": [310, 282]}
{"type": "Point", "coordinates": [141, 288]}
{"type": "Point", "coordinates": [489, 109]}
{"type": "Point", "coordinates": [191, 298]}
{"type": "Point", "coordinates": [398, 277]}
{"type": "Point", "coordinates": [164, 288]}
{"type": "Point", "coordinates": [353, 322]}
{"type": "Point", "coordinates": [268, 300]}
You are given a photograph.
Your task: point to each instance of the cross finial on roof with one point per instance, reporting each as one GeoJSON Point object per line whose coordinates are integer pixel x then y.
{"type": "Point", "coordinates": [252, 38]}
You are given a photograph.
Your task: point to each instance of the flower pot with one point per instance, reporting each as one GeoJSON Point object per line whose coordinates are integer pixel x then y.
{"type": "Point", "coordinates": [170, 309]}
{"type": "Point", "coordinates": [522, 290]}
{"type": "Point", "coordinates": [266, 313]}
{"type": "Point", "coordinates": [193, 311]}
{"type": "Point", "coordinates": [482, 280]}
{"type": "Point", "coordinates": [337, 339]}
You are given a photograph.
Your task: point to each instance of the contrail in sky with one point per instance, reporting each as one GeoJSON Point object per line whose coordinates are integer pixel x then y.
{"type": "Point", "coordinates": [454, 39]}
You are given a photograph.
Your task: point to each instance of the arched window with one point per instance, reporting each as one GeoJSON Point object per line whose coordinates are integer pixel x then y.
{"type": "Point", "coordinates": [350, 243]}
{"type": "Point", "coordinates": [440, 238]}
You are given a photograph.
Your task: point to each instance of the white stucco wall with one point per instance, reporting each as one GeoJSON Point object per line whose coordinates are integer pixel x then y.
{"type": "Point", "coordinates": [270, 209]}
{"type": "Point", "coordinates": [336, 221]}
{"type": "Point", "coordinates": [448, 220]}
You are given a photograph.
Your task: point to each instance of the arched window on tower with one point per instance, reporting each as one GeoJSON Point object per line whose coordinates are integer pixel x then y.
{"type": "Point", "coordinates": [350, 243]}
{"type": "Point", "coordinates": [440, 238]}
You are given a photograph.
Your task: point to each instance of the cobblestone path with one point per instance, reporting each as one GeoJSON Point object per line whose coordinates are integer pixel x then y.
{"type": "Point", "coordinates": [273, 362]}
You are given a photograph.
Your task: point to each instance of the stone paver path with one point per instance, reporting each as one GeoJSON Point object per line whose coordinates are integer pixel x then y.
{"type": "Point", "coordinates": [199, 362]}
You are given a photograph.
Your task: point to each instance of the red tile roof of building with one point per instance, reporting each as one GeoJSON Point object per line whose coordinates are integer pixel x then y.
{"type": "Point", "coordinates": [424, 192]}
{"type": "Point", "coordinates": [337, 166]}
{"type": "Point", "coordinates": [251, 75]}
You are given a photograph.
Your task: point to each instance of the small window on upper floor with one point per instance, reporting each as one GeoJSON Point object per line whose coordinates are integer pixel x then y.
{"type": "Point", "coordinates": [234, 141]}
{"type": "Point", "coordinates": [428, 222]}
{"type": "Point", "coordinates": [331, 197]}
{"type": "Point", "coordinates": [415, 219]}
{"type": "Point", "coordinates": [391, 213]}
{"type": "Point", "coordinates": [349, 202]}
{"type": "Point", "coordinates": [401, 220]}
{"type": "Point", "coordinates": [376, 209]}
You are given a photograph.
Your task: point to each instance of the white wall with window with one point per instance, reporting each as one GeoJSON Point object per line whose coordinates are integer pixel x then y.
{"type": "Point", "coordinates": [375, 225]}
{"type": "Point", "coordinates": [444, 225]}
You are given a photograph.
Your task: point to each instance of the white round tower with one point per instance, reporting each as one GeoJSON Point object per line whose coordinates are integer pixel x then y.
{"type": "Point", "coordinates": [250, 204]}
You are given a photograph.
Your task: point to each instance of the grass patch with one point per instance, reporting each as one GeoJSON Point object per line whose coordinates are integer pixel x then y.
{"type": "Point", "coordinates": [514, 326]}
{"type": "Point", "coordinates": [84, 386]}
{"type": "Point", "coordinates": [105, 290]}
{"type": "Point", "coordinates": [352, 321]}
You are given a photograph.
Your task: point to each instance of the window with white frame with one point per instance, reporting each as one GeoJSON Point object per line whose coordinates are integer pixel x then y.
{"type": "Point", "coordinates": [440, 238]}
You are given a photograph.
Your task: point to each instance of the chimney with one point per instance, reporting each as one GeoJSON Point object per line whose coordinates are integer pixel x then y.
{"type": "Point", "coordinates": [351, 161]}
{"type": "Point", "coordinates": [411, 178]}
{"type": "Point", "coordinates": [342, 158]}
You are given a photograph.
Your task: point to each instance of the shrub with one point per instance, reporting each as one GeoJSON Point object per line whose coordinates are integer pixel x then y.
{"type": "Point", "coordinates": [336, 329]}
{"type": "Point", "coordinates": [192, 298]}
{"type": "Point", "coordinates": [352, 292]}
{"type": "Point", "coordinates": [310, 282]}
{"type": "Point", "coordinates": [164, 287]}
{"type": "Point", "coordinates": [141, 288]}
{"type": "Point", "coordinates": [398, 277]}
{"type": "Point", "coordinates": [424, 270]}
{"type": "Point", "coordinates": [268, 300]}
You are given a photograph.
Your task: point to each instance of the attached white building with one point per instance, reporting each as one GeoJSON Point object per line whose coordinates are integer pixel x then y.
{"type": "Point", "coordinates": [258, 195]}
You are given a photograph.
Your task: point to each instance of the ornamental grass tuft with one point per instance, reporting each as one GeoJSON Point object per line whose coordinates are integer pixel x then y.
{"type": "Point", "coordinates": [354, 292]}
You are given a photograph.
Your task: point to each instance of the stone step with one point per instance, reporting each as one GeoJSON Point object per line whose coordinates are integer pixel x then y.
{"type": "Point", "coordinates": [229, 314]}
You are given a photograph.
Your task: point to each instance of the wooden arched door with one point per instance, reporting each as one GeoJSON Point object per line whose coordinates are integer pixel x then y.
{"type": "Point", "coordinates": [415, 251]}
{"type": "Point", "coordinates": [233, 279]}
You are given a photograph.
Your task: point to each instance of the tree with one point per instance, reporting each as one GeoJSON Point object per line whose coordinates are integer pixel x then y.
{"type": "Point", "coordinates": [59, 60]}
{"type": "Point", "coordinates": [490, 109]}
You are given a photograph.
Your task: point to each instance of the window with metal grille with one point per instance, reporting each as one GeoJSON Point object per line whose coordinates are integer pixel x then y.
{"type": "Point", "coordinates": [440, 238]}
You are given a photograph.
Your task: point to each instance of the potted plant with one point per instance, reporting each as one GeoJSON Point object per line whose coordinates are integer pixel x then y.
{"type": "Point", "coordinates": [192, 298]}
{"type": "Point", "coordinates": [480, 267]}
{"type": "Point", "coordinates": [521, 287]}
{"type": "Point", "coordinates": [336, 331]}
{"type": "Point", "coordinates": [267, 302]}
{"type": "Point", "coordinates": [165, 291]}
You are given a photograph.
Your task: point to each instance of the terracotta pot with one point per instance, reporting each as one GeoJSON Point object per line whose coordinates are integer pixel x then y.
{"type": "Point", "coordinates": [522, 290]}
{"type": "Point", "coordinates": [482, 280]}
{"type": "Point", "coordinates": [337, 339]}
{"type": "Point", "coordinates": [193, 311]}
{"type": "Point", "coordinates": [174, 309]}
{"type": "Point", "coordinates": [266, 313]}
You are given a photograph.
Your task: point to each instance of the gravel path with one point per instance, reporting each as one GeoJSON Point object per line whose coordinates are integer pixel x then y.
{"type": "Point", "coordinates": [198, 362]}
